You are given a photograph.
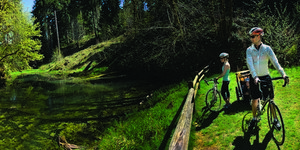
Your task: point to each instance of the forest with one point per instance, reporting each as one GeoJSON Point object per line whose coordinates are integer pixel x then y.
{"type": "Point", "coordinates": [68, 70]}
{"type": "Point", "coordinates": [161, 36]}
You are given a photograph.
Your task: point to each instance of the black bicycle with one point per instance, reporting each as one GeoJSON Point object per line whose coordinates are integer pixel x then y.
{"type": "Point", "coordinates": [213, 96]}
{"type": "Point", "coordinates": [273, 113]}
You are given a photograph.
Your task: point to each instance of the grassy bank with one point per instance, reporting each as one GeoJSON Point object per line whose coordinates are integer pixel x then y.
{"type": "Point", "coordinates": [150, 128]}
{"type": "Point", "coordinates": [153, 128]}
{"type": "Point", "coordinates": [224, 130]}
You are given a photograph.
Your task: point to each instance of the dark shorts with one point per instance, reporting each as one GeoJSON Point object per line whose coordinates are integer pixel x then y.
{"type": "Point", "coordinates": [266, 87]}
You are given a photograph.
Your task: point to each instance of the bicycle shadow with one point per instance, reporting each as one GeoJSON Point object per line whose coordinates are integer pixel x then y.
{"type": "Point", "coordinates": [206, 118]}
{"type": "Point", "coordinates": [243, 142]}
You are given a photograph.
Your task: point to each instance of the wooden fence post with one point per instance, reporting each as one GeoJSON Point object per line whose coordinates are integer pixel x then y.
{"type": "Point", "coordinates": [181, 134]}
{"type": "Point", "coordinates": [180, 138]}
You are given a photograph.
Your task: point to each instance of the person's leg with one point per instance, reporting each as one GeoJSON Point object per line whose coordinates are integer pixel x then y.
{"type": "Point", "coordinates": [224, 92]}
{"type": "Point", "coordinates": [255, 94]}
{"type": "Point", "coordinates": [227, 92]}
{"type": "Point", "coordinates": [254, 107]}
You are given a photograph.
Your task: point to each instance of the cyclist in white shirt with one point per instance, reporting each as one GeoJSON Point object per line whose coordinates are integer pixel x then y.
{"type": "Point", "coordinates": [258, 56]}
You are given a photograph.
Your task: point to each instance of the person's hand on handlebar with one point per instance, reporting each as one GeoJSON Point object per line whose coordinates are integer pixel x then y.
{"type": "Point", "coordinates": [256, 80]}
{"type": "Point", "coordinates": [286, 79]}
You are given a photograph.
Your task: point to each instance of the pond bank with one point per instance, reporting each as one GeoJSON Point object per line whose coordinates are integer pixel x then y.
{"type": "Point", "coordinates": [36, 109]}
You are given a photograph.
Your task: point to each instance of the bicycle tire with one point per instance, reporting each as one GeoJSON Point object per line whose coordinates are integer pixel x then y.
{"type": "Point", "coordinates": [278, 135]}
{"type": "Point", "coordinates": [213, 102]}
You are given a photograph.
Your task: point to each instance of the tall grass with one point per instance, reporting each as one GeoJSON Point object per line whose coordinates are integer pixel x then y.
{"type": "Point", "coordinates": [146, 129]}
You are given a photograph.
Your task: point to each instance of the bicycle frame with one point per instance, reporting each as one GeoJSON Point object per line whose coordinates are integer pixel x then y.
{"type": "Point", "coordinates": [215, 87]}
{"type": "Point", "coordinates": [215, 83]}
{"type": "Point", "coordinates": [273, 113]}
{"type": "Point", "coordinates": [265, 100]}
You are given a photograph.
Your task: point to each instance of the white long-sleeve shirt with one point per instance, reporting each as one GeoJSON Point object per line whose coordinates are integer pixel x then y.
{"type": "Point", "coordinates": [257, 60]}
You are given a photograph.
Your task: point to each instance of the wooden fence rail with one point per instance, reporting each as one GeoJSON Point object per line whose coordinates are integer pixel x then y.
{"type": "Point", "coordinates": [180, 138]}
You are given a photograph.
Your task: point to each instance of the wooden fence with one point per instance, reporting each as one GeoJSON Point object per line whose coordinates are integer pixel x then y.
{"type": "Point", "coordinates": [180, 138]}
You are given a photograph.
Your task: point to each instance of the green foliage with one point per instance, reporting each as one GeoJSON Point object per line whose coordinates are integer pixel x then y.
{"type": "Point", "coordinates": [19, 45]}
{"type": "Point", "coordinates": [278, 23]}
{"type": "Point", "coordinates": [57, 56]}
{"type": "Point", "coordinates": [281, 34]}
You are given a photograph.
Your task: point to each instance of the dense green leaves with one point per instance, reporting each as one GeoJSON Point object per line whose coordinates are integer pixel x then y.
{"type": "Point", "coordinates": [279, 25]}
{"type": "Point", "coordinates": [18, 43]}
{"type": "Point", "coordinates": [170, 35]}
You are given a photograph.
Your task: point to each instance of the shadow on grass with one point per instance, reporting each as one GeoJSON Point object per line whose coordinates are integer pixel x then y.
{"type": "Point", "coordinates": [238, 106]}
{"type": "Point", "coordinates": [206, 118]}
{"type": "Point", "coordinates": [172, 126]}
{"type": "Point", "coordinates": [243, 142]}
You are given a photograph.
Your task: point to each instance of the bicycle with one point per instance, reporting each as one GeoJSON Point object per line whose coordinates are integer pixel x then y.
{"type": "Point", "coordinates": [278, 133]}
{"type": "Point", "coordinates": [213, 96]}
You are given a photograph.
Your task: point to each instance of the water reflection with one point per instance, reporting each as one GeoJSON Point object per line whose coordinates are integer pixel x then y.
{"type": "Point", "coordinates": [14, 96]}
{"type": "Point", "coordinates": [34, 110]}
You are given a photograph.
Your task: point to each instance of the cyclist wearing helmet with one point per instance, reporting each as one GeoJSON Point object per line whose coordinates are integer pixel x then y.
{"type": "Point", "coordinates": [225, 74]}
{"type": "Point", "coordinates": [258, 56]}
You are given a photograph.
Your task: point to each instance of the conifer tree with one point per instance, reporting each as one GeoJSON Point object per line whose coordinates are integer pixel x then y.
{"type": "Point", "coordinates": [18, 37]}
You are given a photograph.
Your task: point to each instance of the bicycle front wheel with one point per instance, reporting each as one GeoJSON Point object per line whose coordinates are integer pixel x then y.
{"type": "Point", "coordinates": [213, 100]}
{"type": "Point", "coordinates": [278, 133]}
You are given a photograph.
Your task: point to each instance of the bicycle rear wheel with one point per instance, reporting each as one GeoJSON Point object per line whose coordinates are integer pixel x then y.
{"type": "Point", "coordinates": [213, 100]}
{"type": "Point", "coordinates": [278, 134]}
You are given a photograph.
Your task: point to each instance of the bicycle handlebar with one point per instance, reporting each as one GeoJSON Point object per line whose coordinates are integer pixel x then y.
{"type": "Point", "coordinates": [286, 81]}
{"type": "Point", "coordinates": [213, 79]}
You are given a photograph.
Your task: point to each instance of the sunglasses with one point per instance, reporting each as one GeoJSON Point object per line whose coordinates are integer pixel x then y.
{"type": "Point", "coordinates": [253, 36]}
{"type": "Point", "coordinates": [222, 57]}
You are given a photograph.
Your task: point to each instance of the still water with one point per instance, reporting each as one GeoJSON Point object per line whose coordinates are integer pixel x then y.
{"type": "Point", "coordinates": [36, 110]}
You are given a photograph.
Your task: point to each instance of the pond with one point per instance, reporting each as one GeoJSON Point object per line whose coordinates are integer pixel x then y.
{"type": "Point", "coordinates": [36, 110]}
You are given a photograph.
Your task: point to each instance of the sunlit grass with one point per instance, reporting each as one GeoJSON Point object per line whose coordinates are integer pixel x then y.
{"type": "Point", "coordinates": [147, 128]}
{"type": "Point", "coordinates": [226, 128]}
{"type": "Point", "coordinates": [82, 57]}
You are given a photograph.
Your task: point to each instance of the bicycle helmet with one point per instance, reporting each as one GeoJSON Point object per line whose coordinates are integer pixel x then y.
{"type": "Point", "coordinates": [256, 31]}
{"type": "Point", "coordinates": [226, 55]}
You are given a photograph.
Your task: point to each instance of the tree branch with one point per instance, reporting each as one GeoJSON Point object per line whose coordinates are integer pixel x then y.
{"type": "Point", "coordinates": [9, 55]}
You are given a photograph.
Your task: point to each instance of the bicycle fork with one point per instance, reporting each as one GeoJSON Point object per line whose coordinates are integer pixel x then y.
{"type": "Point", "coordinates": [273, 112]}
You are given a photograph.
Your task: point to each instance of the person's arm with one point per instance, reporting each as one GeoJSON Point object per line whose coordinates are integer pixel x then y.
{"type": "Point", "coordinates": [275, 62]}
{"type": "Point", "coordinates": [226, 67]}
{"type": "Point", "coordinates": [250, 64]}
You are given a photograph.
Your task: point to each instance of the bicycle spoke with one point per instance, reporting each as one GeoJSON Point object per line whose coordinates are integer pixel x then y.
{"type": "Point", "coordinates": [213, 101]}
{"type": "Point", "coordinates": [278, 133]}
